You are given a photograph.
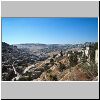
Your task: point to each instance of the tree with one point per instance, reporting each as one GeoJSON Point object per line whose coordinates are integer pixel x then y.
{"type": "Point", "coordinates": [73, 59]}
{"type": "Point", "coordinates": [46, 66]}
{"type": "Point", "coordinates": [61, 66]}
{"type": "Point", "coordinates": [96, 45]}
{"type": "Point", "coordinates": [92, 51]}
{"type": "Point", "coordinates": [91, 69]}
{"type": "Point", "coordinates": [54, 55]}
{"type": "Point", "coordinates": [52, 61]}
{"type": "Point", "coordinates": [53, 77]}
{"type": "Point", "coordinates": [61, 53]}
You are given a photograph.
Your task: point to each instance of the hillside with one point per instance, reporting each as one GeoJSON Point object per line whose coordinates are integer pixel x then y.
{"type": "Point", "coordinates": [52, 63]}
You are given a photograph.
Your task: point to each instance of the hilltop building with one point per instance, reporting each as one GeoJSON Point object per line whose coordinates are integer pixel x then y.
{"type": "Point", "coordinates": [96, 56]}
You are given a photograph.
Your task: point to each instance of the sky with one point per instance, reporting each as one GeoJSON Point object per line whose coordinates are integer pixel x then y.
{"type": "Point", "coordinates": [49, 30]}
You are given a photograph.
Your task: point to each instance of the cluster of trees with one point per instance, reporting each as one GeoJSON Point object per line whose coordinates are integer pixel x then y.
{"type": "Point", "coordinates": [92, 51]}
{"type": "Point", "coordinates": [62, 67]}
{"type": "Point", "coordinates": [90, 69]}
{"type": "Point", "coordinates": [51, 77]}
{"type": "Point", "coordinates": [73, 59]}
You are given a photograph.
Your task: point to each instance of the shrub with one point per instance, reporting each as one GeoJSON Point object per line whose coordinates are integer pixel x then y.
{"type": "Point", "coordinates": [46, 66]}
{"type": "Point", "coordinates": [61, 66]}
{"type": "Point", "coordinates": [53, 77]}
{"type": "Point", "coordinates": [49, 71]}
{"type": "Point", "coordinates": [61, 53]}
{"type": "Point", "coordinates": [52, 61]}
{"type": "Point", "coordinates": [73, 59]}
{"type": "Point", "coordinates": [91, 69]}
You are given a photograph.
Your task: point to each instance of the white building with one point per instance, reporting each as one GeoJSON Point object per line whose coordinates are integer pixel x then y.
{"type": "Point", "coordinates": [87, 51]}
{"type": "Point", "coordinates": [96, 56]}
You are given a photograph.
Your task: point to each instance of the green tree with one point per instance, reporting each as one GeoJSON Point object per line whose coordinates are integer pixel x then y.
{"type": "Point", "coordinates": [90, 69]}
{"type": "Point", "coordinates": [52, 61]}
{"type": "Point", "coordinates": [73, 59]}
{"type": "Point", "coordinates": [53, 77]}
{"type": "Point", "coordinates": [61, 66]}
{"type": "Point", "coordinates": [92, 51]}
{"type": "Point", "coordinates": [61, 53]}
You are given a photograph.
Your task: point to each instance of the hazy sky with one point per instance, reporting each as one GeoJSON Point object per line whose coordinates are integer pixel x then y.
{"type": "Point", "coordinates": [49, 30]}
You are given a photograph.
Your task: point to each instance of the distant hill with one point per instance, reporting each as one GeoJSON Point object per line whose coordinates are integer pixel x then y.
{"type": "Point", "coordinates": [32, 46]}
{"type": "Point", "coordinates": [38, 46]}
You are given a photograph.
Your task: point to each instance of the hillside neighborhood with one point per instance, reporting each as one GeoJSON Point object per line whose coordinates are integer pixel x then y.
{"type": "Point", "coordinates": [50, 62]}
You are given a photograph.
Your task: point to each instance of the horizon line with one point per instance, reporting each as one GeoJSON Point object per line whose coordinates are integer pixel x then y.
{"type": "Point", "coordinates": [50, 43]}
